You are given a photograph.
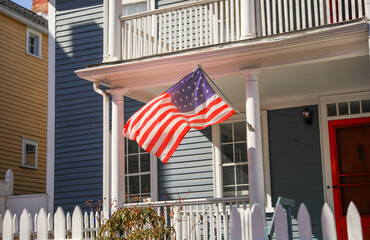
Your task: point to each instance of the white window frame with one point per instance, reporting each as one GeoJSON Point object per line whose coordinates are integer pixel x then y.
{"type": "Point", "coordinates": [153, 174]}
{"type": "Point", "coordinates": [216, 152]}
{"type": "Point", "coordinates": [26, 141]}
{"type": "Point", "coordinates": [39, 35]}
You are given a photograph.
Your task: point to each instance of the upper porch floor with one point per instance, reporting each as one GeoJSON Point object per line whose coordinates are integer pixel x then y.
{"type": "Point", "coordinates": [198, 24]}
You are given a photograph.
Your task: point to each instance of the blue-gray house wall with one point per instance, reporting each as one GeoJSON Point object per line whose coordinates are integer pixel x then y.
{"type": "Point", "coordinates": [78, 111]}
{"type": "Point", "coordinates": [295, 161]}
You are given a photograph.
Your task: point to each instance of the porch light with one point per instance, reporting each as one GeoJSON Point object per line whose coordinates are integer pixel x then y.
{"type": "Point", "coordinates": [307, 116]}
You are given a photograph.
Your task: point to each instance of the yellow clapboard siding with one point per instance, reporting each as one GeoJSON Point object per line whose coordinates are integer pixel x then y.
{"type": "Point", "coordinates": [22, 124]}
{"type": "Point", "coordinates": [22, 114]}
{"type": "Point", "coordinates": [23, 105]}
{"type": "Point", "coordinates": [35, 70]}
{"type": "Point", "coordinates": [15, 137]}
{"type": "Point", "coordinates": [31, 105]}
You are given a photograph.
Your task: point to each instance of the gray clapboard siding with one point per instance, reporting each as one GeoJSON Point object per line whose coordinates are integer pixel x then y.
{"type": "Point", "coordinates": [190, 168]}
{"type": "Point", "coordinates": [295, 161]}
{"type": "Point", "coordinates": [78, 137]}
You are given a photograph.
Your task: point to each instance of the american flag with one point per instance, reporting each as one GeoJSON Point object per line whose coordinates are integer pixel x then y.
{"type": "Point", "coordinates": [161, 124]}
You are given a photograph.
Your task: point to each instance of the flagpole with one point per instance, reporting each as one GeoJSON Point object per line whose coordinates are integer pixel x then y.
{"type": "Point", "coordinates": [250, 127]}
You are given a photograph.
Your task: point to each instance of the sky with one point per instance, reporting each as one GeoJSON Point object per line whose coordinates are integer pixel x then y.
{"type": "Point", "coordinates": [24, 3]}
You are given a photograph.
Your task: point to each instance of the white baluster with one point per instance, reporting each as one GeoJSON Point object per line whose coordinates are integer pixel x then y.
{"type": "Point", "coordinates": [280, 12]}
{"type": "Point", "coordinates": [227, 20]}
{"type": "Point", "coordinates": [218, 220]}
{"type": "Point", "coordinates": [226, 229]}
{"type": "Point", "coordinates": [309, 14]}
{"type": "Point", "coordinates": [263, 17]}
{"type": "Point", "coordinates": [232, 19]}
{"type": "Point", "coordinates": [237, 19]}
{"type": "Point", "coordinates": [298, 14]}
{"type": "Point", "coordinates": [286, 16]}
{"type": "Point", "coordinates": [340, 13]}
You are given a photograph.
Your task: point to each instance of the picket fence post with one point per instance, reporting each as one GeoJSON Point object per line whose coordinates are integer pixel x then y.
{"type": "Point", "coordinates": [304, 223]}
{"type": "Point", "coordinates": [42, 225]}
{"type": "Point", "coordinates": [257, 223]}
{"type": "Point", "coordinates": [8, 226]}
{"type": "Point", "coordinates": [354, 229]}
{"type": "Point", "coordinates": [235, 227]}
{"type": "Point", "coordinates": [281, 225]}
{"type": "Point", "coordinates": [60, 224]}
{"type": "Point", "coordinates": [25, 226]}
{"type": "Point", "coordinates": [328, 223]}
{"type": "Point", "coordinates": [77, 223]}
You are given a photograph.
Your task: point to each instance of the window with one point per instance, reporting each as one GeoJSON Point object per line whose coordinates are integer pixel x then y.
{"type": "Point", "coordinates": [33, 43]}
{"type": "Point", "coordinates": [140, 181]}
{"type": "Point", "coordinates": [231, 160]}
{"type": "Point", "coordinates": [130, 7]}
{"type": "Point", "coordinates": [234, 162]}
{"type": "Point", "coordinates": [29, 153]}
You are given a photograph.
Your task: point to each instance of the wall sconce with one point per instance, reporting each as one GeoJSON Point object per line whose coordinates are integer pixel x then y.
{"type": "Point", "coordinates": [307, 116]}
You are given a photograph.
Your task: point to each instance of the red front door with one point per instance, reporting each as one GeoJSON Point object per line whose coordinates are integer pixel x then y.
{"type": "Point", "coordinates": [350, 163]}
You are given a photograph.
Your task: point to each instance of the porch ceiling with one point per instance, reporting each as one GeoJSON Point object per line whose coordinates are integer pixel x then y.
{"type": "Point", "coordinates": [320, 61]}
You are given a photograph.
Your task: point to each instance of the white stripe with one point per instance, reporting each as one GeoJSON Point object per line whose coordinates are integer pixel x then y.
{"type": "Point", "coordinates": [149, 124]}
{"type": "Point", "coordinates": [145, 116]}
{"type": "Point", "coordinates": [172, 141]}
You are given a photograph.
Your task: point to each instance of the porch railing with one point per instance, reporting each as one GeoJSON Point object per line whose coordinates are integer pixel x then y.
{"type": "Point", "coordinates": [185, 26]}
{"type": "Point", "coordinates": [280, 16]}
{"type": "Point", "coordinates": [199, 218]}
{"type": "Point", "coordinates": [208, 22]}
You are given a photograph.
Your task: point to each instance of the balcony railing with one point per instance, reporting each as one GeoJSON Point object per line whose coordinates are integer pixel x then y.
{"type": "Point", "coordinates": [211, 22]}
{"type": "Point", "coordinates": [199, 218]}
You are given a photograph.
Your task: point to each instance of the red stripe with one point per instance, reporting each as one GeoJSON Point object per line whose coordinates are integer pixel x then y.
{"type": "Point", "coordinates": [125, 128]}
{"type": "Point", "coordinates": [147, 106]}
{"type": "Point", "coordinates": [154, 124]}
{"type": "Point", "coordinates": [176, 144]}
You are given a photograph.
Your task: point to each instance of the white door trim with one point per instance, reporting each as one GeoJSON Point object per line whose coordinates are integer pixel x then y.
{"type": "Point", "coordinates": [324, 136]}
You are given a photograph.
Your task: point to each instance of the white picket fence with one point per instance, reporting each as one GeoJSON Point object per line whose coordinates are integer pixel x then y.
{"type": "Point", "coordinates": [244, 224]}
{"type": "Point", "coordinates": [248, 224]}
{"type": "Point", "coordinates": [77, 226]}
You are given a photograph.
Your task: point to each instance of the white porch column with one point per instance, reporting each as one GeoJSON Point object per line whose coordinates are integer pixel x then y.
{"type": "Point", "coordinates": [248, 19]}
{"type": "Point", "coordinates": [118, 149]}
{"type": "Point", "coordinates": [114, 29]}
{"type": "Point", "coordinates": [254, 141]}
